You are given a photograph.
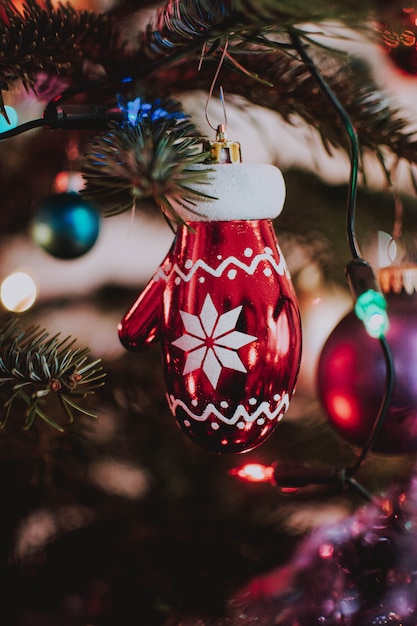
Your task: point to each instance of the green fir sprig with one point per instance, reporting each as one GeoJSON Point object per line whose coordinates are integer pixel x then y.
{"type": "Point", "coordinates": [179, 23]}
{"type": "Point", "coordinates": [351, 12]}
{"type": "Point", "coordinates": [34, 366]}
{"type": "Point", "coordinates": [261, 64]}
{"type": "Point", "coordinates": [152, 159]}
{"type": "Point", "coordinates": [42, 37]}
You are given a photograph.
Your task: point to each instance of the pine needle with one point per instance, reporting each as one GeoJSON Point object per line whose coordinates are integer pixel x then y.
{"type": "Point", "coordinates": [43, 38]}
{"type": "Point", "coordinates": [152, 159]}
{"type": "Point", "coordinates": [34, 366]}
{"type": "Point", "coordinates": [270, 75]}
{"type": "Point", "coordinates": [180, 22]}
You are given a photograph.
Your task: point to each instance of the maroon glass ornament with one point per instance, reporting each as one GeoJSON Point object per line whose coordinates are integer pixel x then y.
{"type": "Point", "coordinates": [352, 370]}
{"type": "Point", "coordinates": [223, 307]}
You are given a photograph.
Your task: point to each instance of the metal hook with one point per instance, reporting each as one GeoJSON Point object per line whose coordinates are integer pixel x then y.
{"type": "Point", "coordinates": [203, 52]}
{"type": "Point", "coordinates": [223, 106]}
{"type": "Point", "coordinates": [210, 94]}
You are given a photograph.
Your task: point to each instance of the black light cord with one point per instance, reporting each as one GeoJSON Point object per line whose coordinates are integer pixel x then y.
{"type": "Point", "coordinates": [53, 106]}
{"type": "Point", "coordinates": [297, 476]}
{"type": "Point", "coordinates": [353, 140]}
{"type": "Point", "coordinates": [54, 114]}
{"type": "Point", "coordinates": [386, 400]}
{"type": "Point", "coordinates": [350, 481]}
{"type": "Point", "coordinates": [347, 474]}
{"type": "Point", "coordinates": [22, 128]}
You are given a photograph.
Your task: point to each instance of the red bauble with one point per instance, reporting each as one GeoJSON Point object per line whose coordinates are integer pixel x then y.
{"type": "Point", "coordinates": [352, 371]}
{"type": "Point", "coordinates": [223, 306]}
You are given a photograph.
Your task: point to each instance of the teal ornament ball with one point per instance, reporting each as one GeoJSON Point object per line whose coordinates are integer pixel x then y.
{"type": "Point", "coordinates": [65, 225]}
{"type": "Point", "coordinates": [11, 122]}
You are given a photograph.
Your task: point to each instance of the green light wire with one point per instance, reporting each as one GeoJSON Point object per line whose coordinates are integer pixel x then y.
{"type": "Point", "coordinates": [368, 303]}
{"type": "Point", "coordinates": [353, 140]}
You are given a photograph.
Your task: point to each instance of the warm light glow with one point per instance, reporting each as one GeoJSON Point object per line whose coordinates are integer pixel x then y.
{"type": "Point", "coordinates": [342, 407]}
{"type": "Point", "coordinates": [326, 550]}
{"type": "Point", "coordinates": [18, 292]}
{"type": "Point", "coordinates": [254, 473]}
{"type": "Point", "coordinates": [344, 410]}
{"type": "Point", "coordinates": [68, 181]}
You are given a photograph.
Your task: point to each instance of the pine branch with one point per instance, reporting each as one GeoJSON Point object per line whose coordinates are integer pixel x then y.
{"type": "Point", "coordinates": [264, 69]}
{"type": "Point", "coordinates": [260, 64]}
{"type": "Point", "coordinates": [34, 365]}
{"type": "Point", "coordinates": [43, 38]}
{"type": "Point", "coordinates": [300, 11]}
{"type": "Point", "coordinates": [180, 22]}
{"type": "Point", "coordinates": [153, 158]}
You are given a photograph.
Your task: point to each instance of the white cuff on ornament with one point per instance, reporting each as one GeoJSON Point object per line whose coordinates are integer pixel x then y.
{"type": "Point", "coordinates": [239, 191]}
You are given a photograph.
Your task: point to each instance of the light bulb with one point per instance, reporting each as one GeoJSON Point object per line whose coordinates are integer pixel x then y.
{"type": "Point", "coordinates": [254, 473]}
{"type": "Point", "coordinates": [371, 308]}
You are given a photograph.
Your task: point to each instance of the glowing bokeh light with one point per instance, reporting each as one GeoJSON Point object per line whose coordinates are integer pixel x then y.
{"type": "Point", "coordinates": [18, 292]}
{"type": "Point", "coordinates": [343, 407]}
{"type": "Point", "coordinates": [68, 181]}
{"type": "Point", "coordinates": [371, 308]}
{"type": "Point", "coordinates": [254, 473]}
{"type": "Point", "coordinates": [326, 550]}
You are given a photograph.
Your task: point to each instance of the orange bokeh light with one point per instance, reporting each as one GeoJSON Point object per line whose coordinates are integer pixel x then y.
{"type": "Point", "coordinates": [254, 473]}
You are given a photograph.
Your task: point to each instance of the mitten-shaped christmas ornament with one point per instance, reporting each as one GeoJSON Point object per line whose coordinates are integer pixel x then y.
{"type": "Point", "coordinates": [223, 307]}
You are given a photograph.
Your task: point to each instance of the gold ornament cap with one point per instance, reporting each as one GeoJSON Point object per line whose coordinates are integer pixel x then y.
{"type": "Point", "coordinates": [222, 150]}
{"type": "Point", "coordinates": [398, 278]}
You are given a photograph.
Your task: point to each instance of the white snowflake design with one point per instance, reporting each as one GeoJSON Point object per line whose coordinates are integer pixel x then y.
{"type": "Point", "coordinates": [212, 341]}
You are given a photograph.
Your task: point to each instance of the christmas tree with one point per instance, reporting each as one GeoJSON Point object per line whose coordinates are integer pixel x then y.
{"type": "Point", "coordinates": [122, 126]}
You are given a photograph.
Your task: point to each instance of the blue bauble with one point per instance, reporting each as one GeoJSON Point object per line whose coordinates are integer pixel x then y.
{"type": "Point", "coordinates": [65, 225]}
{"type": "Point", "coordinates": [13, 119]}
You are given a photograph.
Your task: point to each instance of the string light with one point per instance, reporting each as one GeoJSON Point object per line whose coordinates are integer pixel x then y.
{"type": "Point", "coordinates": [288, 475]}
{"type": "Point", "coordinates": [254, 473]}
{"type": "Point", "coordinates": [371, 309]}
{"type": "Point", "coordinates": [370, 304]}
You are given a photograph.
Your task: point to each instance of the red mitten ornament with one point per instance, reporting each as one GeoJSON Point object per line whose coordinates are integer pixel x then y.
{"type": "Point", "coordinates": [223, 307]}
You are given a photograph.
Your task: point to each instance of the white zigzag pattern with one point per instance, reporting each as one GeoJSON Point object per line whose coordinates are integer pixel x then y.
{"type": "Point", "coordinates": [241, 413]}
{"type": "Point", "coordinates": [280, 267]}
